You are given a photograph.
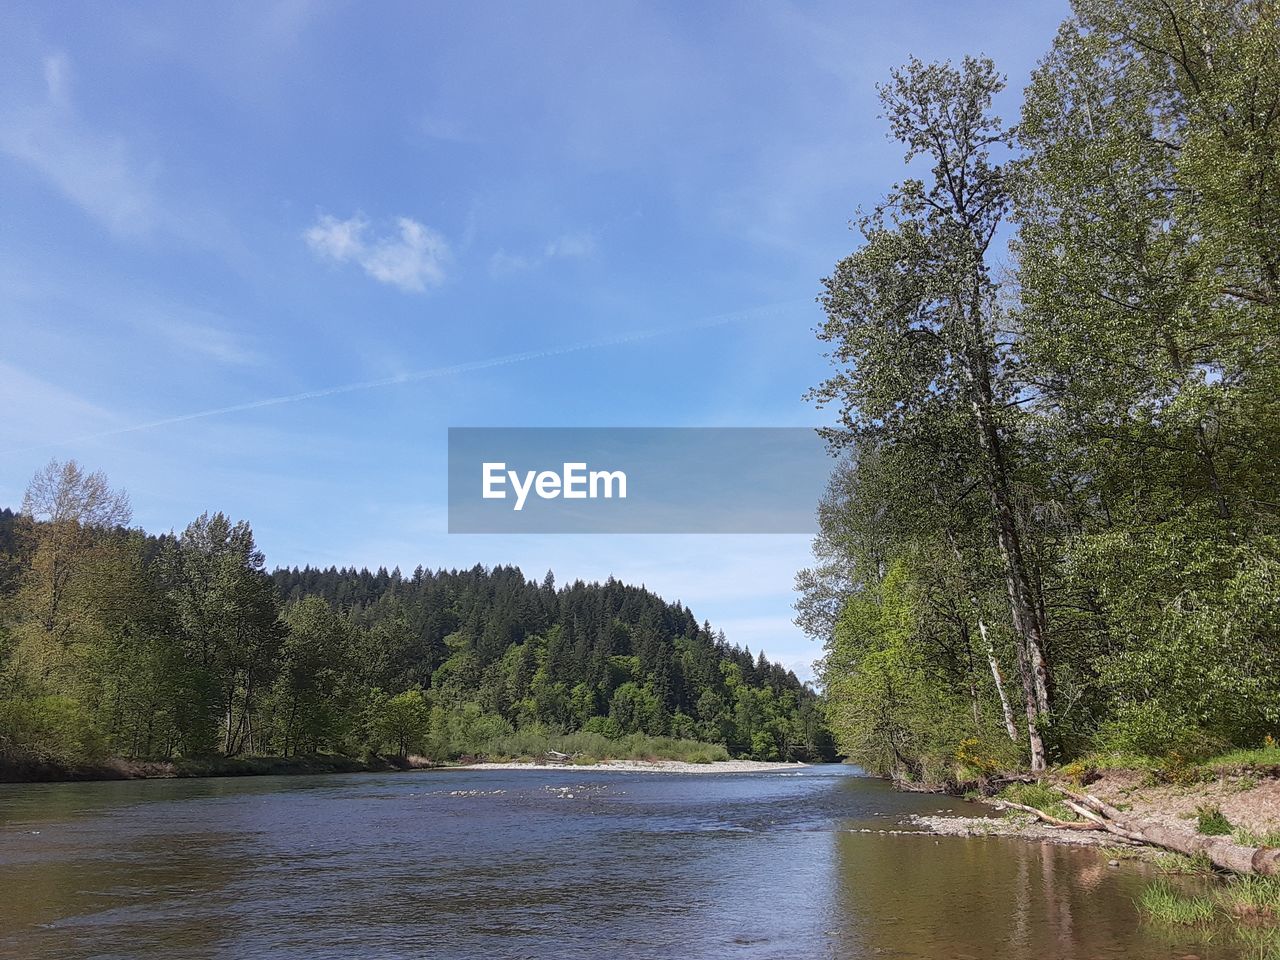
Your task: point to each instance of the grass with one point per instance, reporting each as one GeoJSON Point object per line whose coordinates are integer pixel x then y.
{"type": "Point", "coordinates": [1247, 838]}
{"type": "Point", "coordinates": [1176, 768]}
{"type": "Point", "coordinates": [1255, 897]}
{"type": "Point", "coordinates": [1037, 795]}
{"type": "Point", "coordinates": [1165, 904]}
{"type": "Point", "coordinates": [1182, 865]}
{"type": "Point", "coordinates": [1245, 910]}
{"type": "Point", "coordinates": [1121, 853]}
{"type": "Point", "coordinates": [1258, 758]}
{"type": "Point", "coordinates": [1212, 822]}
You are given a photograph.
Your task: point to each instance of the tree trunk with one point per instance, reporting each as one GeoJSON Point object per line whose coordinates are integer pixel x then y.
{"type": "Point", "coordinates": [1223, 852]}
{"type": "Point", "coordinates": [1022, 608]}
{"type": "Point", "coordinates": [1010, 726]}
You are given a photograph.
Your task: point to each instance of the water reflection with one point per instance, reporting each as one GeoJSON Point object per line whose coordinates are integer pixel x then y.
{"type": "Point", "coordinates": [534, 864]}
{"type": "Point", "coordinates": [987, 897]}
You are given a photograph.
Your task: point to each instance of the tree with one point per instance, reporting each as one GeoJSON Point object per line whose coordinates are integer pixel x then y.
{"type": "Point", "coordinates": [1149, 259]}
{"type": "Point", "coordinates": [228, 617]}
{"type": "Point", "coordinates": [70, 510]}
{"type": "Point", "coordinates": [403, 719]}
{"type": "Point", "coordinates": [914, 319]}
{"type": "Point", "coordinates": [313, 670]}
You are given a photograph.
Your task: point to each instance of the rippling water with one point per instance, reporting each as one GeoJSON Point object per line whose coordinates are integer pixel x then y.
{"type": "Point", "coordinates": [563, 864]}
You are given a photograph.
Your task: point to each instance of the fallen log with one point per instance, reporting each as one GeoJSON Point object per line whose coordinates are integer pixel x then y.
{"type": "Point", "coordinates": [1086, 824]}
{"type": "Point", "coordinates": [1223, 852]}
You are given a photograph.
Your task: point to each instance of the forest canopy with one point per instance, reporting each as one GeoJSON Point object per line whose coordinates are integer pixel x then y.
{"type": "Point", "coordinates": [115, 643]}
{"type": "Point", "coordinates": [1055, 531]}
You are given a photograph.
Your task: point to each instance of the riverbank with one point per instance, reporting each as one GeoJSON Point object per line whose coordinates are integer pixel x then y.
{"type": "Point", "coordinates": [122, 769]}
{"type": "Point", "coordinates": [645, 766]}
{"type": "Point", "coordinates": [1242, 802]}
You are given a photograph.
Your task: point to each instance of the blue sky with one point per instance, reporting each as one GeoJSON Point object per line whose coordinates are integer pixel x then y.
{"type": "Point", "coordinates": [213, 216]}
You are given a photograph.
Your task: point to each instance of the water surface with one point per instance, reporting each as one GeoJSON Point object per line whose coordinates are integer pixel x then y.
{"type": "Point", "coordinates": [534, 864]}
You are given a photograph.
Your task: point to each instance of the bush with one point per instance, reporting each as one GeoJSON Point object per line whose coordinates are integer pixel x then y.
{"type": "Point", "coordinates": [1211, 822]}
{"type": "Point", "coordinates": [48, 729]}
{"type": "Point", "coordinates": [1148, 730]}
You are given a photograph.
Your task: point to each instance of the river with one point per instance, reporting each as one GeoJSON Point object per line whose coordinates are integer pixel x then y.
{"type": "Point", "coordinates": [541, 864]}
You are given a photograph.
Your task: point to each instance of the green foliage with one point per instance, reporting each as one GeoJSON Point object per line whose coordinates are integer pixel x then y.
{"type": "Point", "coordinates": [48, 729]}
{"type": "Point", "coordinates": [1148, 730]}
{"type": "Point", "coordinates": [403, 720]}
{"type": "Point", "coordinates": [1040, 796]}
{"type": "Point", "coordinates": [1165, 903]}
{"type": "Point", "coordinates": [1078, 465]}
{"type": "Point", "coordinates": [113, 643]}
{"type": "Point", "coordinates": [1212, 823]}
{"type": "Point", "coordinates": [886, 705]}
{"type": "Point", "coordinates": [533, 744]}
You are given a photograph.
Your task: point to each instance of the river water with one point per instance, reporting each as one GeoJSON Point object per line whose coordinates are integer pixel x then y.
{"type": "Point", "coordinates": [541, 864]}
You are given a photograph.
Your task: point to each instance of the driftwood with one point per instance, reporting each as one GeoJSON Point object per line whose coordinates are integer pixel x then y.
{"type": "Point", "coordinates": [1223, 852]}
{"type": "Point", "coordinates": [555, 756]}
{"type": "Point", "coordinates": [1052, 821]}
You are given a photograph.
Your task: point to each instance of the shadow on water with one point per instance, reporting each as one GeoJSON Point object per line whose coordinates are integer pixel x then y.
{"type": "Point", "coordinates": [537, 864]}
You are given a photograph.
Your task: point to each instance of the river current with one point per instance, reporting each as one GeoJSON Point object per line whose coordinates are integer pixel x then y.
{"type": "Point", "coordinates": [542, 864]}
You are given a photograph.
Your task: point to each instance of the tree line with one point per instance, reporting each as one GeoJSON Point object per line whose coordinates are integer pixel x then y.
{"type": "Point", "coordinates": [1055, 528]}
{"type": "Point", "coordinates": [117, 643]}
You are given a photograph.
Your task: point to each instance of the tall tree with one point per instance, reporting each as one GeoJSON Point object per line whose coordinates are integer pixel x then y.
{"type": "Point", "coordinates": [227, 611]}
{"type": "Point", "coordinates": [914, 319]}
{"type": "Point", "coordinates": [1149, 260]}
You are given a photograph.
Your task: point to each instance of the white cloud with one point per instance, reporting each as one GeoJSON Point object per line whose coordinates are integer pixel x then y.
{"type": "Point", "coordinates": [569, 246]}
{"type": "Point", "coordinates": [412, 259]}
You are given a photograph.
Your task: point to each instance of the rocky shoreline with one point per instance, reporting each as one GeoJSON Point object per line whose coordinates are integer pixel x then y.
{"type": "Point", "coordinates": [1248, 802]}
{"type": "Point", "coordinates": [643, 766]}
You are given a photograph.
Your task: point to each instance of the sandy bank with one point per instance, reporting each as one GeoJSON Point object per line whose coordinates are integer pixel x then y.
{"type": "Point", "coordinates": [1250, 802]}
{"type": "Point", "coordinates": [645, 766]}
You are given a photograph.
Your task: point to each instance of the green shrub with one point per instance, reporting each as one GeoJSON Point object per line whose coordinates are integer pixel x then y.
{"type": "Point", "coordinates": [1148, 730]}
{"type": "Point", "coordinates": [1211, 822]}
{"type": "Point", "coordinates": [48, 729]}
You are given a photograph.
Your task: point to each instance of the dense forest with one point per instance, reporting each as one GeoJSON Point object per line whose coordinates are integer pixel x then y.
{"type": "Point", "coordinates": [1055, 531]}
{"type": "Point", "coordinates": [114, 643]}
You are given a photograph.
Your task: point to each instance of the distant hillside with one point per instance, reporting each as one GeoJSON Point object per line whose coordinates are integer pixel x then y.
{"type": "Point", "coordinates": [115, 643]}
{"type": "Point", "coordinates": [607, 657]}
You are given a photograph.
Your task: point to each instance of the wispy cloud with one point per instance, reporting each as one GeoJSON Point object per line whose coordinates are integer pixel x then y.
{"type": "Point", "coordinates": [35, 409]}
{"type": "Point", "coordinates": [759, 313]}
{"type": "Point", "coordinates": [95, 170]}
{"type": "Point", "coordinates": [413, 258]}
{"type": "Point", "coordinates": [205, 338]}
{"type": "Point", "coordinates": [569, 246]}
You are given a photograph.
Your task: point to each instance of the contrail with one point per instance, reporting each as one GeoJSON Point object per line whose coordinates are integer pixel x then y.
{"type": "Point", "coordinates": [430, 374]}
